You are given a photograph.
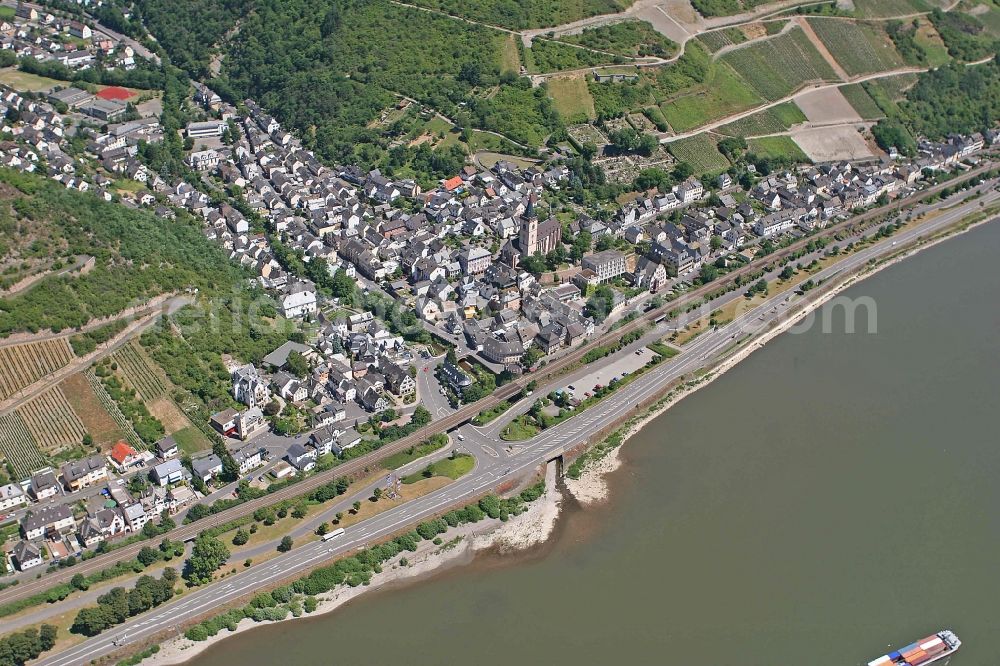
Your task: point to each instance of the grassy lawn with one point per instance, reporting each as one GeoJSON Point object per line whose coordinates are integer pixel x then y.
{"type": "Point", "coordinates": [397, 460]}
{"type": "Point", "coordinates": [451, 468]}
{"type": "Point", "coordinates": [491, 415]}
{"type": "Point", "coordinates": [191, 440]}
{"type": "Point", "coordinates": [572, 99]}
{"type": "Point", "coordinates": [128, 185]}
{"type": "Point", "coordinates": [930, 41]}
{"type": "Point", "coordinates": [777, 146]}
{"type": "Point", "coordinates": [23, 81]}
{"type": "Point", "coordinates": [510, 57]}
{"type": "Point", "coordinates": [664, 350]}
{"type": "Point", "coordinates": [519, 430]}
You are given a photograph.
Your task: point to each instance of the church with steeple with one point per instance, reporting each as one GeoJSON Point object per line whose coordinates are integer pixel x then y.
{"type": "Point", "coordinates": [536, 237]}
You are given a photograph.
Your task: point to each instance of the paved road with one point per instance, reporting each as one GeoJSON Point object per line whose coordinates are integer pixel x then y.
{"type": "Point", "coordinates": [493, 468]}
{"type": "Point", "coordinates": [555, 366]}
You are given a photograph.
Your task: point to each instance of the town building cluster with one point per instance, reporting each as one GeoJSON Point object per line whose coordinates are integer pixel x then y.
{"type": "Point", "coordinates": [36, 33]}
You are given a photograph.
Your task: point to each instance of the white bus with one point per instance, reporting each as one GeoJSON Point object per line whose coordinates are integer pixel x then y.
{"type": "Point", "coordinates": [334, 534]}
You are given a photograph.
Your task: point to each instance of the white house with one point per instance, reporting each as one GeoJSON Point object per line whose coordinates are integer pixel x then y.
{"type": "Point", "coordinates": [300, 302]}
{"type": "Point", "coordinates": [12, 496]}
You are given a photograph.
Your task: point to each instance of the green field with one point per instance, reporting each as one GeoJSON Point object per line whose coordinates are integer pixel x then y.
{"type": "Point", "coordinates": [547, 55]}
{"type": "Point", "coordinates": [860, 48]}
{"type": "Point", "coordinates": [884, 8]}
{"type": "Point", "coordinates": [769, 121]}
{"type": "Point", "coordinates": [930, 42]}
{"type": "Point", "coordinates": [191, 440]}
{"type": "Point", "coordinates": [778, 67]}
{"type": "Point", "coordinates": [572, 100]}
{"type": "Point", "coordinates": [721, 95]}
{"type": "Point", "coordinates": [25, 82]}
{"type": "Point", "coordinates": [861, 101]}
{"type": "Point", "coordinates": [700, 152]}
{"type": "Point", "coordinates": [510, 56]}
{"type": "Point", "coordinates": [452, 467]}
{"type": "Point", "coordinates": [777, 146]}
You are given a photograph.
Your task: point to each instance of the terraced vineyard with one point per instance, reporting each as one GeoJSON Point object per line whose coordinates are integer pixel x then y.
{"type": "Point", "coordinates": [22, 365]}
{"type": "Point", "coordinates": [112, 408]}
{"type": "Point", "coordinates": [777, 67]}
{"type": "Point", "coordinates": [139, 373]}
{"type": "Point", "coordinates": [718, 39]}
{"type": "Point", "coordinates": [884, 8]}
{"type": "Point", "coordinates": [769, 121]}
{"type": "Point", "coordinates": [862, 102]}
{"type": "Point", "coordinates": [52, 422]}
{"type": "Point", "coordinates": [860, 48]}
{"type": "Point", "coordinates": [18, 446]}
{"type": "Point", "coordinates": [701, 152]}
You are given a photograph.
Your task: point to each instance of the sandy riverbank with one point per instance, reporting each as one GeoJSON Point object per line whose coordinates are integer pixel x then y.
{"type": "Point", "coordinates": [521, 532]}
{"type": "Point", "coordinates": [592, 486]}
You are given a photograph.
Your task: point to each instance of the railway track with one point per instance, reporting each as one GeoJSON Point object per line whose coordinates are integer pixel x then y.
{"type": "Point", "coordinates": [552, 370]}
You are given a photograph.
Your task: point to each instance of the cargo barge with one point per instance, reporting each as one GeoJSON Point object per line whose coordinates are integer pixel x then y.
{"type": "Point", "coordinates": [925, 651]}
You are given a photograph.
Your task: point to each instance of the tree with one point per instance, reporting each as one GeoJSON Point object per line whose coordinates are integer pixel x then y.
{"type": "Point", "coordinates": [241, 537]}
{"type": "Point", "coordinates": [322, 528]}
{"type": "Point", "coordinates": [787, 272]}
{"type": "Point", "coordinates": [230, 469]}
{"type": "Point", "coordinates": [91, 621]}
{"type": "Point", "coordinates": [285, 545]}
{"type": "Point", "coordinates": [79, 581]}
{"type": "Point", "coordinates": [339, 517]}
{"type": "Point", "coordinates": [299, 511]}
{"type": "Point", "coordinates": [207, 555]}
{"type": "Point", "coordinates": [715, 242]}
{"type": "Point", "coordinates": [356, 506]}
{"type": "Point", "coordinates": [708, 273]}
{"type": "Point", "coordinates": [297, 364]}
{"type": "Point", "coordinates": [376, 494]}
{"type": "Point", "coordinates": [272, 408]}
{"type": "Point", "coordinates": [147, 556]}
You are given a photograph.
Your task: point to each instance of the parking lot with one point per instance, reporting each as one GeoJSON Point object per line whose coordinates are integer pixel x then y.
{"type": "Point", "coordinates": [580, 388]}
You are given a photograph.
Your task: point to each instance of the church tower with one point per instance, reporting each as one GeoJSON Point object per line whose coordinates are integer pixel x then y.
{"type": "Point", "coordinates": [527, 238]}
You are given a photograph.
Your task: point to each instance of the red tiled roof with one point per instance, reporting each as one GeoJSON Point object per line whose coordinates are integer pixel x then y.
{"type": "Point", "coordinates": [453, 183]}
{"type": "Point", "coordinates": [121, 452]}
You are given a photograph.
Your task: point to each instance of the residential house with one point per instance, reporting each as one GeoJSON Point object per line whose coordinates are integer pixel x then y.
{"type": "Point", "coordinates": [249, 387]}
{"type": "Point", "coordinates": [123, 456]}
{"type": "Point", "coordinates": [47, 520]}
{"type": "Point", "coordinates": [44, 484]}
{"type": "Point", "coordinates": [84, 473]}
{"type": "Point", "coordinates": [171, 471]}
{"type": "Point", "coordinates": [248, 458]}
{"type": "Point", "coordinates": [11, 496]}
{"type": "Point", "coordinates": [225, 422]}
{"type": "Point", "coordinates": [26, 555]}
{"type": "Point", "coordinates": [207, 468]}
{"type": "Point", "coordinates": [167, 448]}
{"type": "Point", "coordinates": [301, 458]}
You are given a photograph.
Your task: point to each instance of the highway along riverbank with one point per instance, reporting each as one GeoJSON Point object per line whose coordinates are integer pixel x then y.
{"type": "Point", "coordinates": [826, 498]}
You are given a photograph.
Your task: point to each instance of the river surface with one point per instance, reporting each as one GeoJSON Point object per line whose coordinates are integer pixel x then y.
{"type": "Point", "coordinates": [830, 496]}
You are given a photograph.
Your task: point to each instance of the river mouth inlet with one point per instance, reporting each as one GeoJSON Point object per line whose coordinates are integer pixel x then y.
{"type": "Point", "coordinates": [832, 495]}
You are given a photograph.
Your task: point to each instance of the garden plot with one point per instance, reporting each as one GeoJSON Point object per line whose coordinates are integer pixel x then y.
{"type": "Point", "coordinates": [18, 446]}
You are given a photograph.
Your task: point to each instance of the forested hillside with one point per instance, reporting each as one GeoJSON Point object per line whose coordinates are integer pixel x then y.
{"type": "Point", "coordinates": [330, 68]}
{"type": "Point", "coordinates": [138, 255]}
{"type": "Point", "coordinates": [950, 99]}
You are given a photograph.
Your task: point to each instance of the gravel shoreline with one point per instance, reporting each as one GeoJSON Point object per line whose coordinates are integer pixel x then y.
{"type": "Point", "coordinates": [534, 526]}
{"type": "Point", "coordinates": [521, 532]}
